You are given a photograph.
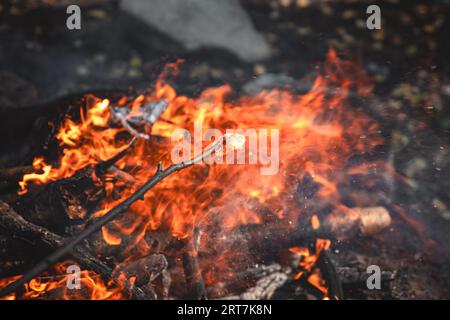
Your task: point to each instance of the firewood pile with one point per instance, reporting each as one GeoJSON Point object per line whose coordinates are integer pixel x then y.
{"type": "Point", "coordinates": [272, 259]}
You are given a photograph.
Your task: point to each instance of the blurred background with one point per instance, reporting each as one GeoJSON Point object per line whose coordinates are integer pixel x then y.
{"type": "Point", "coordinates": [125, 43]}
{"type": "Point", "coordinates": [254, 45]}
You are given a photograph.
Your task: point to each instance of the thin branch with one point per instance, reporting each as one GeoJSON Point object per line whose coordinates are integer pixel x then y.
{"type": "Point", "coordinates": [103, 166]}
{"type": "Point", "coordinates": [17, 226]}
{"type": "Point", "coordinates": [160, 174]}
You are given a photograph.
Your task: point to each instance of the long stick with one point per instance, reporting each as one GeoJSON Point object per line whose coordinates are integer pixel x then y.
{"type": "Point", "coordinates": [16, 225]}
{"type": "Point", "coordinates": [109, 216]}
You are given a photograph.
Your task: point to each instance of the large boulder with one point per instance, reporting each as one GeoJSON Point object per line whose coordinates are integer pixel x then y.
{"type": "Point", "coordinates": [203, 23]}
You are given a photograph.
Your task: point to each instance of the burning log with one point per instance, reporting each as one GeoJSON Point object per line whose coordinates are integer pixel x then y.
{"type": "Point", "coordinates": [112, 214]}
{"type": "Point", "coordinates": [147, 269]}
{"type": "Point", "coordinates": [327, 268]}
{"type": "Point", "coordinates": [58, 204]}
{"type": "Point", "coordinates": [194, 280]}
{"type": "Point", "coordinates": [343, 225]}
{"type": "Point", "coordinates": [12, 223]}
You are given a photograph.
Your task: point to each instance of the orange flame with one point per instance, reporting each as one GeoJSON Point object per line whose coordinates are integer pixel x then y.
{"type": "Point", "coordinates": [319, 132]}
{"type": "Point", "coordinates": [92, 287]}
{"type": "Point", "coordinates": [307, 264]}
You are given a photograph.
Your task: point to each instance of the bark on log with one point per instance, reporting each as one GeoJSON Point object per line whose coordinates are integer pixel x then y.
{"type": "Point", "coordinates": [194, 279]}
{"type": "Point", "coordinates": [344, 225]}
{"type": "Point", "coordinates": [59, 203]}
{"type": "Point", "coordinates": [56, 204]}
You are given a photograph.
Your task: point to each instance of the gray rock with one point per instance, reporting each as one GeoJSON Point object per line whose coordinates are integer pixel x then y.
{"type": "Point", "coordinates": [266, 82]}
{"type": "Point", "coordinates": [203, 23]}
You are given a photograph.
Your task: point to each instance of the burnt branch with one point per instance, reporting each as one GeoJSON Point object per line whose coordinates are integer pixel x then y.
{"type": "Point", "coordinates": [103, 166]}
{"type": "Point", "coordinates": [194, 280]}
{"type": "Point", "coordinates": [17, 226]}
{"type": "Point", "coordinates": [96, 225]}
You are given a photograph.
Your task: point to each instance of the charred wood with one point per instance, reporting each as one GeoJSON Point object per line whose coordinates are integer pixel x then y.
{"type": "Point", "coordinates": [15, 225]}
{"type": "Point", "coordinates": [109, 216]}
{"type": "Point", "coordinates": [364, 221]}
{"type": "Point", "coordinates": [58, 204]}
{"type": "Point", "coordinates": [61, 203]}
{"type": "Point", "coordinates": [194, 279]}
{"type": "Point", "coordinates": [147, 271]}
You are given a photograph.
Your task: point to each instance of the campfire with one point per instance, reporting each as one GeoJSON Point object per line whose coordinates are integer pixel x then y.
{"type": "Point", "coordinates": [108, 198]}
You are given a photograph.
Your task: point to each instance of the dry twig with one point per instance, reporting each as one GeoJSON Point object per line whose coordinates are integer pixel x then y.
{"type": "Point", "coordinates": [111, 215]}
